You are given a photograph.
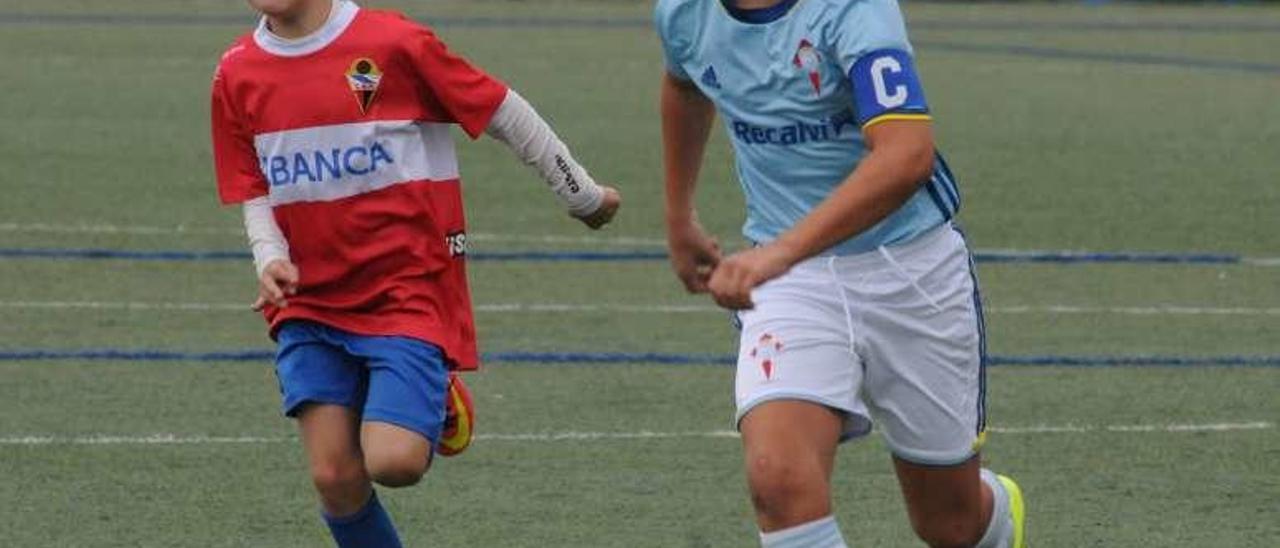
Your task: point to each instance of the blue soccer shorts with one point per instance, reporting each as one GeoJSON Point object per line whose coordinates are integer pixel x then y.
{"type": "Point", "coordinates": [396, 380]}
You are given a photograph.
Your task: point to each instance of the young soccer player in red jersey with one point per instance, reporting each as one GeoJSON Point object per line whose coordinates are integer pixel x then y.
{"type": "Point", "coordinates": [331, 127]}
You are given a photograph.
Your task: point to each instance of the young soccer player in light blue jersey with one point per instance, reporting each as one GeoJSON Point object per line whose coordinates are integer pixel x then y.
{"type": "Point", "coordinates": [859, 299]}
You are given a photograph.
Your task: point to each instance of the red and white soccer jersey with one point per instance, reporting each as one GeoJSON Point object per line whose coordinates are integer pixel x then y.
{"type": "Point", "coordinates": [346, 131]}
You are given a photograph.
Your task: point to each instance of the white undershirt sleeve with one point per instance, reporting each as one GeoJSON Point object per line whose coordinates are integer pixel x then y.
{"type": "Point", "coordinates": [265, 239]}
{"type": "Point", "coordinates": [520, 127]}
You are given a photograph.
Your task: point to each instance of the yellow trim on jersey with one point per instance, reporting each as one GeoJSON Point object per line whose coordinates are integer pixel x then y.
{"type": "Point", "coordinates": [980, 441]}
{"type": "Point", "coordinates": [894, 116]}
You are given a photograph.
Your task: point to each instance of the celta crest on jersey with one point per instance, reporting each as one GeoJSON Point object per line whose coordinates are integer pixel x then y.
{"type": "Point", "coordinates": [364, 78]}
{"type": "Point", "coordinates": [807, 59]}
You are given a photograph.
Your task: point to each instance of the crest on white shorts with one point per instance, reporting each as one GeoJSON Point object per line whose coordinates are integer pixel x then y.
{"type": "Point", "coordinates": [766, 354]}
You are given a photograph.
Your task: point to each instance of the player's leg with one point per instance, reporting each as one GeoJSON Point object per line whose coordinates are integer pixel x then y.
{"type": "Point", "coordinates": [394, 456]}
{"type": "Point", "coordinates": [789, 449]}
{"type": "Point", "coordinates": [405, 411]}
{"type": "Point", "coordinates": [925, 384]}
{"type": "Point", "coordinates": [398, 456]}
{"type": "Point", "coordinates": [355, 516]}
{"type": "Point", "coordinates": [963, 505]}
{"type": "Point", "coordinates": [331, 441]}
{"type": "Point", "coordinates": [948, 506]}
{"type": "Point", "coordinates": [797, 385]}
{"type": "Point", "coordinates": [322, 387]}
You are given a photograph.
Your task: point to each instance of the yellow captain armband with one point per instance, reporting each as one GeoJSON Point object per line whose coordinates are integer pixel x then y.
{"type": "Point", "coordinates": [893, 116]}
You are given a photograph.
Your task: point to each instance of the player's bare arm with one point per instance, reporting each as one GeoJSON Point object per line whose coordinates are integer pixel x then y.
{"type": "Point", "coordinates": [686, 123]}
{"type": "Point", "coordinates": [901, 157]}
{"type": "Point", "coordinates": [517, 125]}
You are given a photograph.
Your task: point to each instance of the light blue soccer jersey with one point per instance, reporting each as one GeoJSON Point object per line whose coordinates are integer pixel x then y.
{"type": "Point", "coordinates": [795, 85]}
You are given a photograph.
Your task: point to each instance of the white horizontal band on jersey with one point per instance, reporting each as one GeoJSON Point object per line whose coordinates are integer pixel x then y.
{"type": "Point", "coordinates": [265, 239]}
{"type": "Point", "coordinates": [364, 156]}
{"type": "Point", "coordinates": [520, 127]}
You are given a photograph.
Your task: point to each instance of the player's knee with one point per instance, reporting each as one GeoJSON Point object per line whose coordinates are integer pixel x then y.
{"type": "Point", "coordinates": [951, 532]}
{"type": "Point", "coordinates": [338, 481]}
{"type": "Point", "coordinates": [397, 475]}
{"type": "Point", "coordinates": [776, 483]}
{"type": "Point", "coordinates": [400, 469]}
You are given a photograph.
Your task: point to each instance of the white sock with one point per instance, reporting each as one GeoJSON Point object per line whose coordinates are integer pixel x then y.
{"type": "Point", "coordinates": [820, 533]}
{"type": "Point", "coordinates": [1000, 530]}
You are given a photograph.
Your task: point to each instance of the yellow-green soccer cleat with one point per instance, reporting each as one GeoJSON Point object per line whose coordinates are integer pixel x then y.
{"type": "Point", "coordinates": [459, 418]}
{"type": "Point", "coordinates": [1018, 508]}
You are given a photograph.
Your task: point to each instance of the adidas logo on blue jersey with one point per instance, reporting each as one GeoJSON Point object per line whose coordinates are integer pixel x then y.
{"type": "Point", "coordinates": [709, 78]}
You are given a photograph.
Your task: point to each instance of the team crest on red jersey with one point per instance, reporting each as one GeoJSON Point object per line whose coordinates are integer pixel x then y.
{"type": "Point", "coordinates": [766, 353]}
{"type": "Point", "coordinates": [807, 59]}
{"type": "Point", "coordinates": [364, 78]}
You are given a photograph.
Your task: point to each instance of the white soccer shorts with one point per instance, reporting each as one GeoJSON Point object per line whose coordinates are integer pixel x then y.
{"type": "Point", "coordinates": [895, 334]}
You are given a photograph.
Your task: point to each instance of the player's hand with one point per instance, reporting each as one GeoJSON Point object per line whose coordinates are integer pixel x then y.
{"type": "Point", "coordinates": [603, 214]}
{"type": "Point", "coordinates": [732, 281]}
{"type": "Point", "coordinates": [694, 254]}
{"type": "Point", "coordinates": [279, 280]}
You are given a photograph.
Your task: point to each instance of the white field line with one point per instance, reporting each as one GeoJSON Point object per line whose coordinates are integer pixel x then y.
{"type": "Point", "coordinates": [140, 306]}
{"type": "Point", "coordinates": [649, 309]}
{"type": "Point", "coordinates": [174, 439]}
{"type": "Point", "coordinates": [150, 439]}
{"type": "Point", "coordinates": [1134, 428]}
{"type": "Point", "coordinates": [625, 308]}
{"type": "Point", "coordinates": [43, 228]}
{"type": "Point", "coordinates": [1262, 261]}
{"type": "Point", "coordinates": [547, 239]}
{"type": "Point", "coordinates": [1136, 310]}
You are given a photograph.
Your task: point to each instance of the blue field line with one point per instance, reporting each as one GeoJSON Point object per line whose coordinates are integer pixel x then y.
{"type": "Point", "coordinates": [1066, 257]}
{"type": "Point", "coordinates": [118, 254]}
{"type": "Point", "coordinates": [560, 256]}
{"type": "Point", "coordinates": [645, 358]}
{"type": "Point", "coordinates": [992, 256]}
{"type": "Point", "coordinates": [248, 19]}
